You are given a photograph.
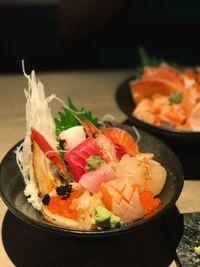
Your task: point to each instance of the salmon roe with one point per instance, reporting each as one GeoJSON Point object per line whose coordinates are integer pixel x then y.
{"type": "Point", "coordinates": [60, 206]}
{"type": "Point", "coordinates": [150, 204]}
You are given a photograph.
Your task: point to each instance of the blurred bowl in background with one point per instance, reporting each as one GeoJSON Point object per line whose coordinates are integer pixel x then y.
{"type": "Point", "coordinates": [186, 144]}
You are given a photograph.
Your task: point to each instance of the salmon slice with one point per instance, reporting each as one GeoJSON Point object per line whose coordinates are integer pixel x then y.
{"type": "Point", "coordinates": [190, 99]}
{"type": "Point", "coordinates": [174, 114]}
{"type": "Point", "coordinates": [123, 139]}
{"type": "Point", "coordinates": [191, 74]}
{"type": "Point", "coordinates": [146, 88]}
{"type": "Point", "coordinates": [164, 72]}
{"type": "Point", "coordinates": [144, 112]}
{"type": "Point", "coordinates": [122, 198]}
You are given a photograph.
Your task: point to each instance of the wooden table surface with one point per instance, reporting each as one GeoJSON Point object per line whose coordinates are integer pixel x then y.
{"type": "Point", "coordinates": [94, 90]}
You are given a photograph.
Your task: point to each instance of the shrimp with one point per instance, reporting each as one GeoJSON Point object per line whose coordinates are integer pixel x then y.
{"type": "Point", "coordinates": [106, 146]}
{"type": "Point", "coordinates": [110, 139]}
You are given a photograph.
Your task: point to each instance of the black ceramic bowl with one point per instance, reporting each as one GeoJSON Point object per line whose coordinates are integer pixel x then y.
{"type": "Point", "coordinates": [12, 186]}
{"type": "Point", "coordinates": [174, 138]}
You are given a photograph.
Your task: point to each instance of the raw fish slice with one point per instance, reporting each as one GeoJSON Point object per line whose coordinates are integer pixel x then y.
{"type": "Point", "coordinates": [107, 148]}
{"type": "Point", "coordinates": [93, 179]}
{"type": "Point", "coordinates": [141, 89]}
{"type": "Point", "coordinates": [190, 100]}
{"type": "Point", "coordinates": [76, 158]}
{"type": "Point", "coordinates": [164, 72]}
{"type": "Point", "coordinates": [119, 150]}
{"type": "Point", "coordinates": [49, 152]}
{"type": "Point", "coordinates": [145, 173]}
{"type": "Point", "coordinates": [122, 198]}
{"type": "Point", "coordinates": [122, 139]}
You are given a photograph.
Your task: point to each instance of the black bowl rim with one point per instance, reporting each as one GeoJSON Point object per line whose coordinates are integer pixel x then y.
{"type": "Point", "coordinates": [139, 122]}
{"type": "Point", "coordinates": [95, 233]}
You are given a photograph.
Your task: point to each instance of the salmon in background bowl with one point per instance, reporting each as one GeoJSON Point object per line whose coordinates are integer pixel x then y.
{"type": "Point", "coordinates": [164, 99]}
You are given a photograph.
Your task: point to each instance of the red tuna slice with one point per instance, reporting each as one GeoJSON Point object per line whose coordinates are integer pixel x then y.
{"type": "Point", "coordinates": [93, 179]}
{"type": "Point", "coordinates": [76, 158]}
{"type": "Point", "coordinates": [120, 152]}
{"type": "Point", "coordinates": [50, 153]}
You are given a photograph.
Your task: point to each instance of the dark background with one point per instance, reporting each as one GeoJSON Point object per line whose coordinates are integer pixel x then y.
{"type": "Point", "coordinates": [80, 34]}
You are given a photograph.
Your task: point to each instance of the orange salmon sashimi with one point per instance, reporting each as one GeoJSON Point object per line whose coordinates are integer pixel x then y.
{"type": "Point", "coordinates": [192, 74]}
{"type": "Point", "coordinates": [164, 72]}
{"type": "Point", "coordinates": [167, 97]}
{"type": "Point", "coordinates": [122, 199]}
{"type": "Point", "coordinates": [194, 118]}
{"type": "Point", "coordinates": [141, 89]}
{"type": "Point", "coordinates": [122, 138]}
{"type": "Point", "coordinates": [190, 100]}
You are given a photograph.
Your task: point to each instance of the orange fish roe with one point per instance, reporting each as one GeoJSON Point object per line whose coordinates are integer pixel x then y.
{"type": "Point", "coordinates": [60, 206]}
{"type": "Point", "coordinates": [150, 204]}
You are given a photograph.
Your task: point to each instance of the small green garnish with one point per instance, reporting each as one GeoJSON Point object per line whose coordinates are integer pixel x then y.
{"type": "Point", "coordinates": [67, 120]}
{"type": "Point", "coordinates": [105, 219]}
{"type": "Point", "coordinates": [93, 162]}
{"type": "Point", "coordinates": [197, 250]}
{"type": "Point", "coordinates": [175, 98]}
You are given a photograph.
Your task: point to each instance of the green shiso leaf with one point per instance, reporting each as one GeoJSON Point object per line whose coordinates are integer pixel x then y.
{"type": "Point", "coordinates": [67, 120]}
{"type": "Point", "coordinates": [149, 61]}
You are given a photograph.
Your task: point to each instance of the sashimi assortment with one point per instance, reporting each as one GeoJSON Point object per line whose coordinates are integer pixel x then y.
{"type": "Point", "coordinates": [81, 173]}
{"type": "Point", "coordinates": [167, 97]}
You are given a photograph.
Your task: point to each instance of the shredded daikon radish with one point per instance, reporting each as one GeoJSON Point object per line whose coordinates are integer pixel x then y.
{"type": "Point", "coordinates": [137, 134]}
{"type": "Point", "coordinates": [38, 115]}
{"type": "Point", "coordinates": [107, 117]}
{"type": "Point", "coordinates": [31, 191]}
